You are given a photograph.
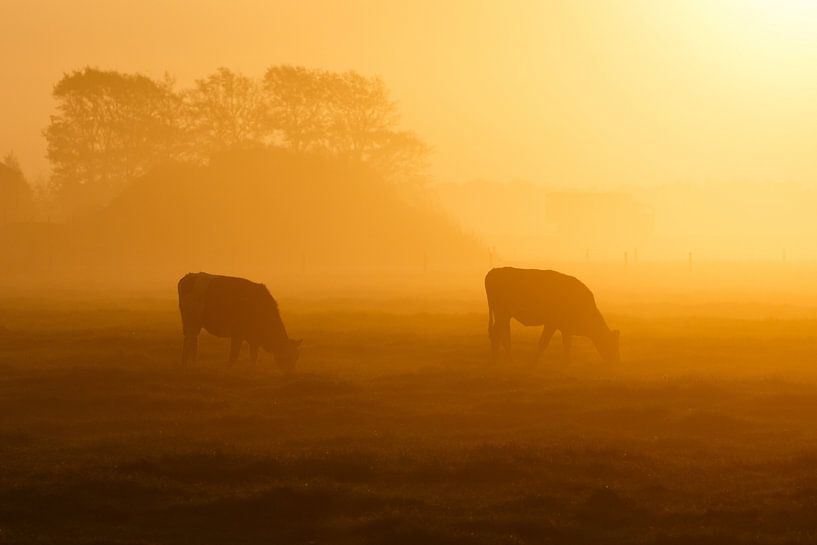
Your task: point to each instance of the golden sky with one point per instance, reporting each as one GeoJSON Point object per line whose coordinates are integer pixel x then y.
{"type": "Point", "coordinates": [575, 93]}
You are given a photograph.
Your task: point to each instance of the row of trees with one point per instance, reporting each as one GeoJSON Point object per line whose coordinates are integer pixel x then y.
{"type": "Point", "coordinates": [110, 127]}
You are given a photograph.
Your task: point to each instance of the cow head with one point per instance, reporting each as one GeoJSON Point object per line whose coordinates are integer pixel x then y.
{"type": "Point", "coordinates": [608, 346]}
{"type": "Point", "coordinates": [287, 355]}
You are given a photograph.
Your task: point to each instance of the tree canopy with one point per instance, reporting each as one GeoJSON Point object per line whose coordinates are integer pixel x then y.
{"type": "Point", "coordinates": [110, 127]}
{"type": "Point", "coordinates": [223, 111]}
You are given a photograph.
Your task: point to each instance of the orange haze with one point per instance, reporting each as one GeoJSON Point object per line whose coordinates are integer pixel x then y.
{"type": "Point", "coordinates": [570, 92]}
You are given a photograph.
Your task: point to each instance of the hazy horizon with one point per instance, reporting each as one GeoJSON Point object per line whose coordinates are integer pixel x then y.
{"type": "Point", "coordinates": [551, 92]}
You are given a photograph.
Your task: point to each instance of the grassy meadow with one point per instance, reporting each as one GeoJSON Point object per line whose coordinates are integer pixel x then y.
{"type": "Point", "coordinates": [397, 429]}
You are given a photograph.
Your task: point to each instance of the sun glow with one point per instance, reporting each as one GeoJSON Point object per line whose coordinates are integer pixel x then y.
{"type": "Point", "coordinates": [790, 13]}
{"type": "Point", "coordinates": [781, 24]}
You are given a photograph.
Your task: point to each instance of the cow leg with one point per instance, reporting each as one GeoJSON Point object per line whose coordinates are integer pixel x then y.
{"type": "Point", "coordinates": [235, 349]}
{"type": "Point", "coordinates": [194, 350]}
{"type": "Point", "coordinates": [544, 341]}
{"type": "Point", "coordinates": [185, 350]}
{"type": "Point", "coordinates": [190, 330]}
{"type": "Point", "coordinates": [504, 327]}
{"type": "Point", "coordinates": [567, 342]}
{"type": "Point", "coordinates": [494, 335]}
{"type": "Point", "coordinates": [190, 348]}
{"type": "Point", "coordinates": [501, 337]}
{"type": "Point", "coordinates": [253, 353]}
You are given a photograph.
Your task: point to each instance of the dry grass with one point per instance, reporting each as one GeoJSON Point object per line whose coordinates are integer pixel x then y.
{"type": "Point", "coordinates": [396, 429]}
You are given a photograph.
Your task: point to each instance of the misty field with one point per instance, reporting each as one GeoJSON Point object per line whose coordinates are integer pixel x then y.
{"type": "Point", "coordinates": [396, 428]}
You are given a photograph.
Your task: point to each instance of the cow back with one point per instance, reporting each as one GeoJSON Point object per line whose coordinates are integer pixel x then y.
{"type": "Point", "coordinates": [537, 297]}
{"type": "Point", "coordinates": [228, 306]}
{"type": "Point", "coordinates": [236, 307]}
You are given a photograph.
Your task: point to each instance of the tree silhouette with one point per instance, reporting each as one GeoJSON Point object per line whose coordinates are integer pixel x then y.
{"type": "Point", "coordinates": [400, 156]}
{"type": "Point", "coordinates": [344, 114]}
{"type": "Point", "coordinates": [223, 111]}
{"type": "Point", "coordinates": [16, 197]}
{"type": "Point", "coordinates": [361, 114]}
{"type": "Point", "coordinates": [109, 127]}
{"type": "Point", "coordinates": [298, 107]}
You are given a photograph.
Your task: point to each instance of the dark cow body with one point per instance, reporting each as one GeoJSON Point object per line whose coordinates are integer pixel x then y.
{"type": "Point", "coordinates": [227, 306]}
{"type": "Point", "coordinates": [547, 298]}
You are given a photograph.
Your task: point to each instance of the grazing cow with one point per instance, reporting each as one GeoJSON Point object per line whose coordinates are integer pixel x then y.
{"type": "Point", "coordinates": [550, 299]}
{"type": "Point", "coordinates": [237, 308]}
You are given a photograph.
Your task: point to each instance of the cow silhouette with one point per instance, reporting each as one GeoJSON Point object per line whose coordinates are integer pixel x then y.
{"type": "Point", "coordinates": [549, 299]}
{"type": "Point", "coordinates": [237, 308]}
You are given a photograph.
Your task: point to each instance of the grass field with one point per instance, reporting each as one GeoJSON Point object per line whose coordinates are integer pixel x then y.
{"type": "Point", "coordinates": [396, 429]}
